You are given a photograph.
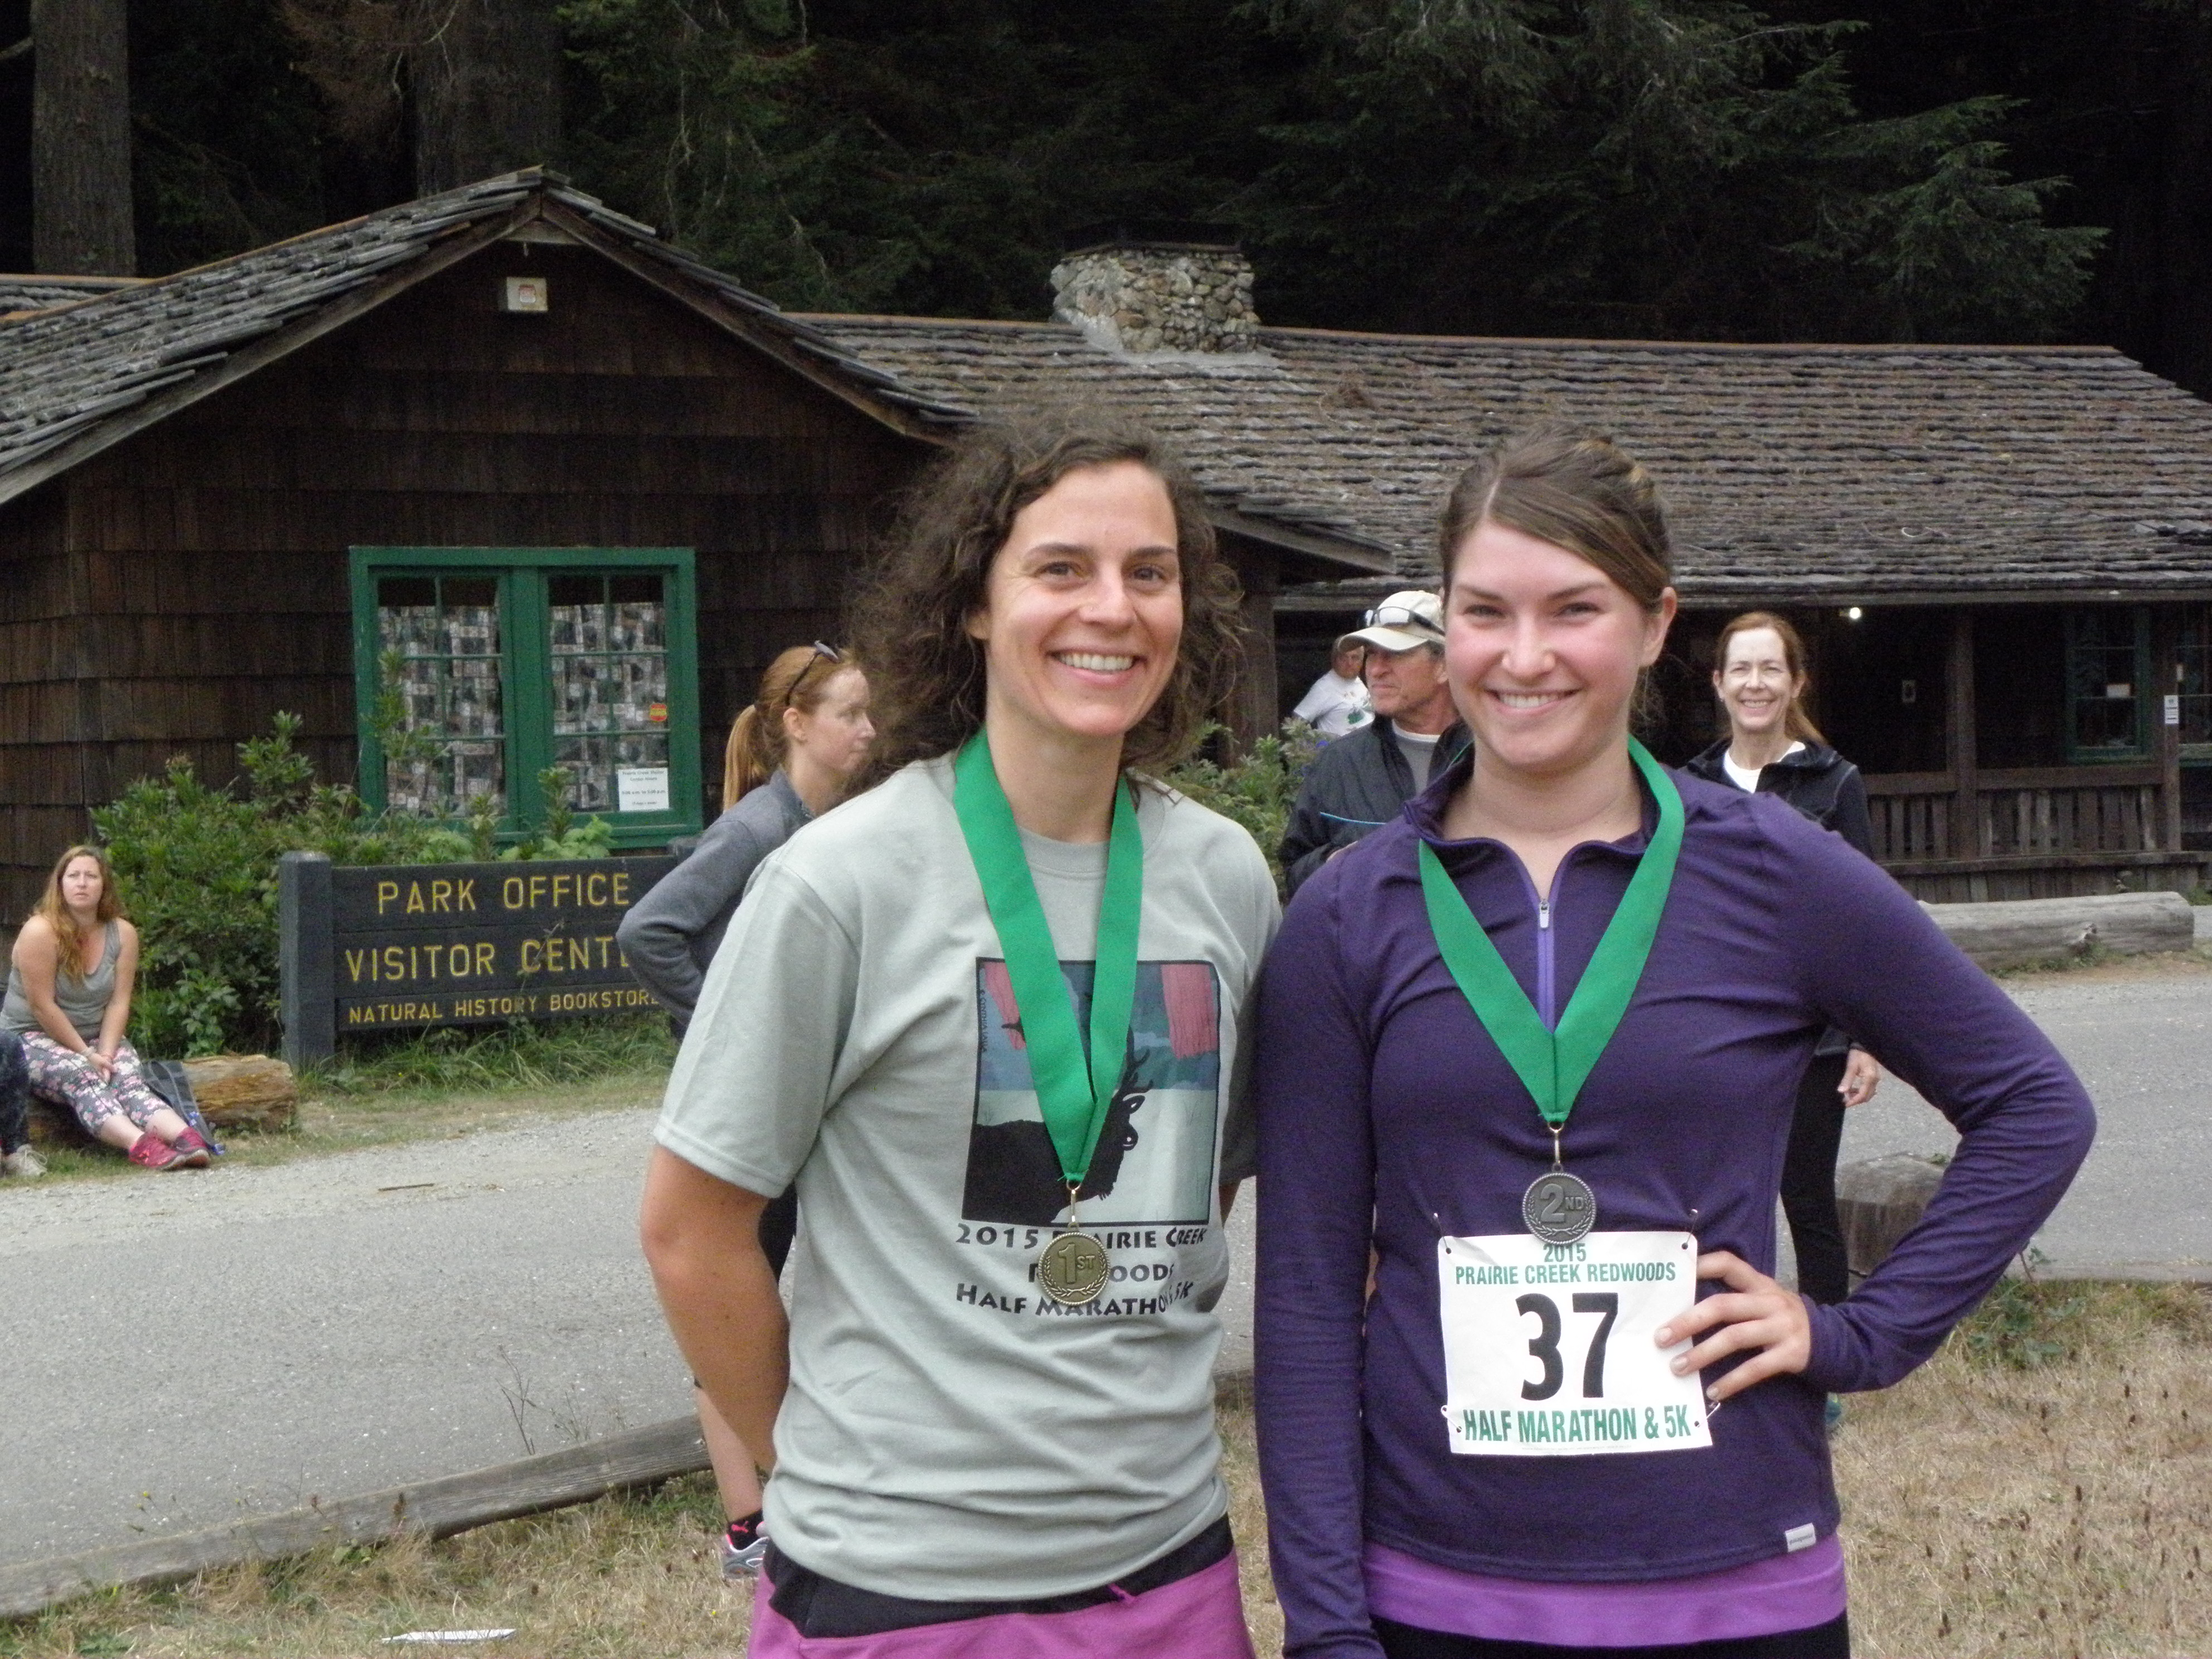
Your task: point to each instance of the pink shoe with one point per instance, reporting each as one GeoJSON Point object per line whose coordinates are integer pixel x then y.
{"type": "Point", "coordinates": [193, 1151]}
{"type": "Point", "coordinates": [153, 1153]}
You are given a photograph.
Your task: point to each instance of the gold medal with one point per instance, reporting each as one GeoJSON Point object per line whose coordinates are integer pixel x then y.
{"type": "Point", "coordinates": [1072, 1271]}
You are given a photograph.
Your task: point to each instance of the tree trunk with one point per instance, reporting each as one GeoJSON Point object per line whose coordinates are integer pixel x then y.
{"type": "Point", "coordinates": [81, 140]}
{"type": "Point", "coordinates": [487, 85]}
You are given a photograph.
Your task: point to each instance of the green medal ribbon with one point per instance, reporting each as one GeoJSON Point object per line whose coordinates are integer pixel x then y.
{"type": "Point", "coordinates": [1555, 1064]}
{"type": "Point", "coordinates": [1074, 1096]}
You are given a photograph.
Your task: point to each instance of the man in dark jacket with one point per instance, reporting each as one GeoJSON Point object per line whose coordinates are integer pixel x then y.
{"type": "Point", "coordinates": [1362, 781]}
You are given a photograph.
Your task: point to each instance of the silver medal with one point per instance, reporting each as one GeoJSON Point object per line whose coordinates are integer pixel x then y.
{"type": "Point", "coordinates": [1559, 1208]}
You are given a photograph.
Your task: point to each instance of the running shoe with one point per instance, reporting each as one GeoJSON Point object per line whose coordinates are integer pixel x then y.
{"type": "Point", "coordinates": [743, 1546]}
{"type": "Point", "coordinates": [152, 1153]}
{"type": "Point", "coordinates": [192, 1149]}
{"type": "Point", "coordinates": [23, 1163]}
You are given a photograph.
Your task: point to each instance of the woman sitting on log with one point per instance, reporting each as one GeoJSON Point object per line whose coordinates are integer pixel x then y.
{"type": "Point", "coordinates": [69, 998]}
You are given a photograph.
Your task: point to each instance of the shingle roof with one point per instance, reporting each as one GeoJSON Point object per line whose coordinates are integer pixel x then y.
{"type": "Point", "coordinates": [1813, 473]}
{"type": "Point", "coordinates": [1807, 472]}
{"type": "Point", "coordinates": [20, 293]}
{"type": "Point", "coordinates": [66, 374]}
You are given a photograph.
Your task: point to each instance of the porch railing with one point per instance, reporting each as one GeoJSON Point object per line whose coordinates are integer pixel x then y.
{"type": "Point", "coordinates": [2023, 812]}
{"type": "Point", "coordinates": [1911, 814]}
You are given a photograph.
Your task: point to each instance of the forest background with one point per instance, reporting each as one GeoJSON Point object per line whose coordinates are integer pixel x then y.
{"type": "Point", "coordinates": [1872, 170]}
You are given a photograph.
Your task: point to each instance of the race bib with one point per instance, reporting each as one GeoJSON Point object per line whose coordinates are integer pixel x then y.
{"type": "Point", "coordinates": [1548, 1349]}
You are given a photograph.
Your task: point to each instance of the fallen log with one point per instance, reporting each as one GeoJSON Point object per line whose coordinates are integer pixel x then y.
{"type": "Point", "coordinates": [640, 1457]}
{"type": "Point", "coordinates": [1879, 1202]}
{"type": "Point", "coordinates": [243, 1091]}
{"type": "Point", "coordinates": [2013, 932]}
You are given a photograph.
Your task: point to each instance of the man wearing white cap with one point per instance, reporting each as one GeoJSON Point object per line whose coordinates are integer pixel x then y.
{"type": "Point", "coordinates": [1362, 781]}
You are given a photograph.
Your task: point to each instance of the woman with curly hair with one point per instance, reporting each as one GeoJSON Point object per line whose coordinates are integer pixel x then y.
{"type": "Point", "coordinates": [986, 1016]}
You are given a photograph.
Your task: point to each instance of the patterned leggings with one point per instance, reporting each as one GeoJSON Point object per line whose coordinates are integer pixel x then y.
{"type": "Point", "coordinates": [69, 1079]}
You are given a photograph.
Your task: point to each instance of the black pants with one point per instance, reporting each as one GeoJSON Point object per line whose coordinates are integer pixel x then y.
{"type": "Point", "coordinates": [1830, 1641]}
{"type": "Point", "coordinates": [1808, 1182]}
{"type": "Point", "coordinates": [15, 1094]}
{"type": "Point", "coordinates": [825, 1608]}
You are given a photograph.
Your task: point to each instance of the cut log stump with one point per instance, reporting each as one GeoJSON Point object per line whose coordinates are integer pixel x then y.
{"type": "Point", "coordinates": [1879, 1202]}
{"type": "Point", "coordinates": [243, 1091]}
{"type": "Point", "coordinates": [234, 1091]}
{"type": "Point", "coordinates": [2014, 932]}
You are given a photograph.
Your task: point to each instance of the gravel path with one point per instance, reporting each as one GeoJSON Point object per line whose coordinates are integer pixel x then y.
{"type": "Point", "coordinates": [184, 1348]}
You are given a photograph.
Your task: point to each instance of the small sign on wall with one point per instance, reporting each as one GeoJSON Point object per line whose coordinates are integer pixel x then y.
{"type": "Point", "coordinates": [2172, 709]}
{"type": "Point", "coordinates": [640, 789]}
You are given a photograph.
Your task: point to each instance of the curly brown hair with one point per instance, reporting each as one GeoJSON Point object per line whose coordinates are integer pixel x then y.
{"type": "Point", "coordinates": [926, 672]}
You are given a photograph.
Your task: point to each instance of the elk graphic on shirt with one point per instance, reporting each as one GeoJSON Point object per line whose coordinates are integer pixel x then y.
{"type": "Point", "coordinates": [1156, 1156]}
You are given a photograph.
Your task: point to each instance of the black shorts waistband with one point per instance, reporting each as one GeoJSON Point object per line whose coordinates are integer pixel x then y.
{"type": "Point", "coordinates": [818, 1606]}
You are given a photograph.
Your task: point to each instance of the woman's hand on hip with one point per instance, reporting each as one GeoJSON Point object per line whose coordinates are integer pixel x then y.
{"type": "Point", "coordinates": [1861, 1077]}
{"type": "Point", "coordinates": [1754, 1315]}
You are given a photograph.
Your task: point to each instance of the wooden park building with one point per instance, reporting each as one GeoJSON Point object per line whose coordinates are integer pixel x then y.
{"type": "Point", "coordinates": [502, 470]}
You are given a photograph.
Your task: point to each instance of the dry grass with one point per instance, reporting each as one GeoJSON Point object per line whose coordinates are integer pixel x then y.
{"type": "Point", "coordinates": [2042, 1488]}
{"type": "Point", "coordinates": [628, 1576]}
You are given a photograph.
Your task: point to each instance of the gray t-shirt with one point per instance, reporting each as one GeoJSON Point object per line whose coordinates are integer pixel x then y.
{"type": "Point", "coordinates": [949, 1432]}
{"type": "Point", "coordinates": [1419, 749]}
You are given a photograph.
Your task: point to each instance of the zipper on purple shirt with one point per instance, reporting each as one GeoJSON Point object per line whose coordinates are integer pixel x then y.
{"type": "Point", "coordinates": [1547, 990]}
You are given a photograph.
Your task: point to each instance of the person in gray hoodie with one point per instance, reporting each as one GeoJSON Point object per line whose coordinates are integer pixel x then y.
{"type": "Point", "coordinates": [791, 755]}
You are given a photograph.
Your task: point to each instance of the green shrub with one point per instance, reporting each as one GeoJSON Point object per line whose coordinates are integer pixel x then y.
{"type": "Point", "coordinates": [1258, 789]}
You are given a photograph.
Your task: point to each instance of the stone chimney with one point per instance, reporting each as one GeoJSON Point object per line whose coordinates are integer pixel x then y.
{"type": "Point", "coordinates": [1188, 288]}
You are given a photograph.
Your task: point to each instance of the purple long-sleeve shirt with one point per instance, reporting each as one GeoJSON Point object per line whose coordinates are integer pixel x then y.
{"type": "Point", "coordinates": [1388, 1114]}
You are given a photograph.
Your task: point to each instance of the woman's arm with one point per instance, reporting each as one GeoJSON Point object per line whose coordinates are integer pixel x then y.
{"type": "Point", "coordinates": [116, 1020]}
{"type": "Point", "coordinates": [701, 1238]}
{"type": "Point", "coordinates": [1945, 1027]}
{"type": "Point", "coordinates": [655, 937]}
{"type": "Point", "coordinates": [38, 957]}
{"type": "Point", "coordinates": [1316, 1210]}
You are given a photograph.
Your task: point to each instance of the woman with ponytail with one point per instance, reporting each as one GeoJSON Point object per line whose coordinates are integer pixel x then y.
{"type": "Point", "coordinates": [791, 754]}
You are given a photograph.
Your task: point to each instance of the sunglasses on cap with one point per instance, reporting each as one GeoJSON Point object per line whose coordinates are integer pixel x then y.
{"type": "Point", "coordinates": [1399, 616]}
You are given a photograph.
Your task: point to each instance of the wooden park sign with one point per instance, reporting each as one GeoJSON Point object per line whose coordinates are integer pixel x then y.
{"type": "Point", "coordinates": [390, 946]}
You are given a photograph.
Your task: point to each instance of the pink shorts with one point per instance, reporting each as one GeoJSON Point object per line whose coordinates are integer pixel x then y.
{"type": "Point", "coordinates": [1200, 1617]}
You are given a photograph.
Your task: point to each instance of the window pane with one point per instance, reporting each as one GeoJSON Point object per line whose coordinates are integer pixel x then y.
{"type": "Point", "coordinates": [2101, 664]}
{"type": "Point", "coordinates": [450, 749]}
{"type": "Point", "coordinates": [608, 641]}
{"type": "Point", "coordinates": [2194, 654]}
{"type": "Point", "coordinates": [395, 591]}
{"type": "Point", "coordinates": [588, 762]}
{"type": "Point", "coordinates": [469, 590]}
{"type": "Point", "coordinates": [575, 590]}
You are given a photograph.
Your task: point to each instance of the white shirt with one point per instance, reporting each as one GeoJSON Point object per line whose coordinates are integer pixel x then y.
{"type": "Point", "coordinates": [1336, 704]}
{"type": "Point", "coordinates": [1747, 778]}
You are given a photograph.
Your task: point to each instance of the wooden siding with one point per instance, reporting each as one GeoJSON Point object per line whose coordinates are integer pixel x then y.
{"type": "Point", "coordinates": [169, 597]}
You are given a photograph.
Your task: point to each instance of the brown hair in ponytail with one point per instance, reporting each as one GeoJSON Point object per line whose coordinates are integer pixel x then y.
{"type": "Point", "coordinates": [799, 679]}
{"type": "Point", "coordinates": [1795, 721]}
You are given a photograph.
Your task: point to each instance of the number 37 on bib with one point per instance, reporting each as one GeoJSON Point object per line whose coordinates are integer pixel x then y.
{"type": "Point", "coordinates": [1548, 1349]}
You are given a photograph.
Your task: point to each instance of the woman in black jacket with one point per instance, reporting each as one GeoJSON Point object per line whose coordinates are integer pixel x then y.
{"type": "Point", "coordinates": [1774, 749]}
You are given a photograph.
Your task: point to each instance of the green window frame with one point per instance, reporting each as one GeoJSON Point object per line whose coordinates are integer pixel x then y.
{"type": "Point", "coordinates": [2108, 688]}
{"type": "Point", "coordinates": [510, 661]}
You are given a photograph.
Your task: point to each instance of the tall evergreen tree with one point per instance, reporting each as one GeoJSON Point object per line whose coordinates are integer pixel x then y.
{"type": "Point", "coordinates": [80, 138]}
